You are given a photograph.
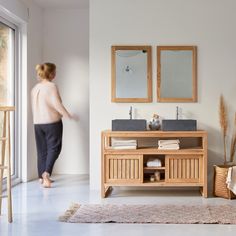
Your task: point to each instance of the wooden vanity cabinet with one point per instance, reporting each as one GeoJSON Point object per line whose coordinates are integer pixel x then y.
{"type": "Point", "coordinates": [186, 167]}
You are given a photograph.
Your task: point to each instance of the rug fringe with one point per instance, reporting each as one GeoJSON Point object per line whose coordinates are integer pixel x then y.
{"type": "Point", "coordinates": [70, 212]}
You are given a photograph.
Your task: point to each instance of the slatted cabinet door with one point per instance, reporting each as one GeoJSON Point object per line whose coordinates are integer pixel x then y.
{"type": "Point", "coordinates": [184, 168]}
{"type": "Point", "coordinates": [124, 168]}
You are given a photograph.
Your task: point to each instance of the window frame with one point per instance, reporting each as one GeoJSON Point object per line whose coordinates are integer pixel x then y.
{"type": "Point", "coordinates": [15, 149]}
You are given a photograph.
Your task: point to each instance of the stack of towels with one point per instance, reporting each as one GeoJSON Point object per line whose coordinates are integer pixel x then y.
{"type": "Point", "coordinates": [170, 144]}
{"type": "Point", "coordinates": [124, 143]}
{"type": "Point", "coordinates": [231, 179]}
{"type": "Point", "coordinates": [154, 162]}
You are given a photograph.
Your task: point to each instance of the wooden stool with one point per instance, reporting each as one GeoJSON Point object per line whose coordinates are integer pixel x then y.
{"type": "Point", "coordinates": [5, 159]}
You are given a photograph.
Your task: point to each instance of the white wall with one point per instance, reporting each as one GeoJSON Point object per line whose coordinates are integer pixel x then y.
{"type": "Point", "coordinates": [14, 9]}
{"type": "Point", "coordinates": [209, 24]}
{"type": "Point", "coordinates": [65, 43]}
{"type": "Point", "coordinates": [34, 56]}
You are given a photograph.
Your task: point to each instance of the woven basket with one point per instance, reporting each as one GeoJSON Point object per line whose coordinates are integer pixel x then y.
{"type": "Point", "coordinates": [220, 187]}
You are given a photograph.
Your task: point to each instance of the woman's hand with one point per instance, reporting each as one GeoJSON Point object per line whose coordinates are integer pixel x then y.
{"type": "Point", "coordinates": [74, 117]}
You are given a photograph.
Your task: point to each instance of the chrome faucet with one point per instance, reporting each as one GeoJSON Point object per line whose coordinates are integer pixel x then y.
{"type": "Point", "coordinates": [130, 113]}
{"type": "Point", "coordinates": [177, 113]}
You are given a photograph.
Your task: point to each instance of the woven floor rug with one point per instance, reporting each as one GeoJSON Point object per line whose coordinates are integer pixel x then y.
{"type": "Point", "coordinates": [165, 214]}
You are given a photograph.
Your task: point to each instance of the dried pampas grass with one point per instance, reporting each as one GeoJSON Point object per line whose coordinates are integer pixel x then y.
{"type": "Point", "coordinates": [233, 141]}
{"type": "Point", "coordinates": [223, 116]}
{"type": "Point", "coordinates": [223, 123]}
{"type": "Point", "coordinates": [224, 128]}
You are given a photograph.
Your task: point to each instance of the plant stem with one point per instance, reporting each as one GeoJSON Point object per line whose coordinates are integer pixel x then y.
{"type": "Point", "coordinates": [224, 137]}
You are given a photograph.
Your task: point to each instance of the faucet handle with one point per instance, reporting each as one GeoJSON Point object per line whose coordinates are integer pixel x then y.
{"type": "Point", "coordinates": [130, 112]}
{"type": "Point", "coordinates": [177, 112]}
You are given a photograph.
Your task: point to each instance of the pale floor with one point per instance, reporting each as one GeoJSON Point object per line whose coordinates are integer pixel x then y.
{"type": "Point", "coordinates": [36, 210]}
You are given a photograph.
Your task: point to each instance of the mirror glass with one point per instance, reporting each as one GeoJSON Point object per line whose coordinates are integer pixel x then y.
{"type": "Point", "coordinates": [131, 74]}
{"type": "Point", "coordinates": [176, 74]}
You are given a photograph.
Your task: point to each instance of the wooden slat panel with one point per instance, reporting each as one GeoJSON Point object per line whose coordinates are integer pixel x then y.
{"type": "Point", "coordinates": [111, 165]}
{"type": "Point", "coordinates": [115, 168]}
{"type": "Point", "coordinates": [136, 176]}
{"type": "Point", "coordinates": [187, 169]}
{"type": "Point", "coordinates": [201, 169]}
{"type": "Point", "coordinates": [175, 169]}
{"type": "Point", "coordinates": [179, 168]}
{"type": "Point", "coordinates": [172, 168]}
{"type": "Point", "coordinates": [192, 168]}
{"type": "Point", "coordinates": [167, 169]}
{"type": "Point", "coordinates": [123, 168]}
{"type": "Point", "coordinates": [123, 175]}
{"type": "Point", "coordinates": [132, 169]}
{"type": "Point", "coordinates": [141, 179]}
{"type": "Point", "coordinates": [196, 168]}
{"type": "Point", "coordinates": [184, 169]}
{"type": "Point", "coordinates": [119, 169]}
{"type": "Point", "coordinates": [128, 169]}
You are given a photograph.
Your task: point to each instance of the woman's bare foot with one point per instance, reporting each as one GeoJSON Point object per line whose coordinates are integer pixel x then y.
{"type": "Point", "coordinates": [41, 180]}
{"type": "Point", "coordinates": [46, 180]}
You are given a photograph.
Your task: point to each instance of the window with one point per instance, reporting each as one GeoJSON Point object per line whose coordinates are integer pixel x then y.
{"type": "Point", "coordinates": [8, 91]}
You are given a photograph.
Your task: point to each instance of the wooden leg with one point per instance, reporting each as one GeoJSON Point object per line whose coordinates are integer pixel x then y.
{"type": "Point", "coordinates": [9, 202]}
{"type": "Point", "coordinates": [205, 194]}
{"type": "Point", "coordinates": [106, 191]}
{"type": "Point", "coordinates": [103, 193]}
{"type": "Point", "coordinates": [203, 191]}
{"type": "Point", "coordinates": [2, 160]}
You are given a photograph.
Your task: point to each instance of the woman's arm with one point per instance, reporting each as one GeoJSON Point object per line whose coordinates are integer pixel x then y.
{"type": "Point", "coordinates": [57, 103]}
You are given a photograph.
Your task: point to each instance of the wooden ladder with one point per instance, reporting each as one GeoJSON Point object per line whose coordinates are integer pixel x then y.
{"type": "Point", "coordinates": [5, 159]}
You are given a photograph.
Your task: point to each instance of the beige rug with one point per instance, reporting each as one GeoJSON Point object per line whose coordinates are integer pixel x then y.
{"type": "Point", "coordinates": [165, 214]}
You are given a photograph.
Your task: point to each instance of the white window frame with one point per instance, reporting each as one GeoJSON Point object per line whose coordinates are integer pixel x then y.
{"type": "Point", "coordinates": [17, 122]}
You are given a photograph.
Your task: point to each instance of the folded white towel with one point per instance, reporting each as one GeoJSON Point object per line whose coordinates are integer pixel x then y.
{"type": "Point", "coordinates": [169, 147]}
{"type": "Point", "coordinates": [168, 141]}
{"type": "Point", "coordinates": [154, 163]}
{"type": "Point", "coordinates": [125, 147]}
{"type": "Point", "coordinates": [123, 142]}
{"type": "Point", "coordinates": [231, 179]}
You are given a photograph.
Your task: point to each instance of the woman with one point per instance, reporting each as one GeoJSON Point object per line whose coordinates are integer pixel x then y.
{"type": "Point", "coordinates": [47, 113]}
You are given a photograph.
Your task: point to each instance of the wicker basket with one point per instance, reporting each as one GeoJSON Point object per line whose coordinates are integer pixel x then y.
{"type": "Point", "coordinates": [220, 187]}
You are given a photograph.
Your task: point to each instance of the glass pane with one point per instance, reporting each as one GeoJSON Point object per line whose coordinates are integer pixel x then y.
{"type": "Point", "coordinates": [131, 73]}
{"type": "Point", "coordinates": [7, 41]}
{"type": "Point", "coordinates": [176, 73]}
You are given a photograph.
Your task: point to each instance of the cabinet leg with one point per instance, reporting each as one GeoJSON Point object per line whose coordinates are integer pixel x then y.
{"type": "Point", "coordinates": [106, 191]}
{"type": "Point", "coordinates": [203, 191]}
{"type": "Point", "coordinates": [103, 192]}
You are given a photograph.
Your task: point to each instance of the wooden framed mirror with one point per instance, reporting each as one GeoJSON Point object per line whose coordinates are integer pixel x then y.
{"type": "Point", "coordinates": [177, 73]}
{"type": "Point", "coordinates": [131, 72]}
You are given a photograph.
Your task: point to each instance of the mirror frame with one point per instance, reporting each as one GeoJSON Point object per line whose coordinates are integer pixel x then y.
{"type": "Point", "coordinates": [149, 74]}
{"type": "Point", "coordinates": [194, 73]}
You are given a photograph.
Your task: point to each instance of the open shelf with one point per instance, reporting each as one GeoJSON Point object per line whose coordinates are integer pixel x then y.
{"type": "Point", "coordinates": [151, 150]}
{"type": "Point", "coordinates": [154, 168]}
{"type": "Point", "coordinates": [160, 182]}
